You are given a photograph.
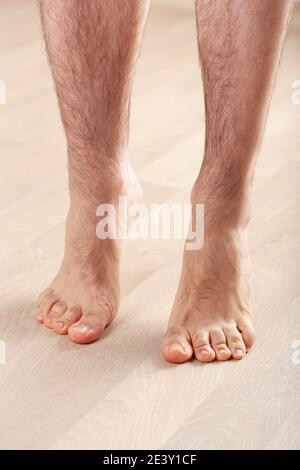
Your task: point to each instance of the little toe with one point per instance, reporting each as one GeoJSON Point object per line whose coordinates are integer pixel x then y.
{"type": "Point", "coordinates": [176, 346]}
{"type": "Point", "coordinates": [61, 324]}
{"type": "Point", "coordinates": [202, 348]}
{"type": "Point", "coordinates": [44, 304]}
{"type": "Point", "coordinates": [235, 343]}
{"type": "Point", "coordinates": [39, 316]}
{"type": "Point", "coordinates": [90, 327]}
{"type": "Point", "coordinates": [219, 345]}
{"type": "Point", "coordinates": [247, 331]}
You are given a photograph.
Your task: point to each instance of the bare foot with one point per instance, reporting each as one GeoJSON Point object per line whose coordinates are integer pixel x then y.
{"type": "Point", "coordinates": [211, 317]}
{"type": "Point", "coordinates": [83, 298]}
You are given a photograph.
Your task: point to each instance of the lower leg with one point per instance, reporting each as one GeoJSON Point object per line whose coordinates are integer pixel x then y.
{"type": "Point", "coordinates": [92, 48]}
{"type": "Point", "coordinates": [239, 46]}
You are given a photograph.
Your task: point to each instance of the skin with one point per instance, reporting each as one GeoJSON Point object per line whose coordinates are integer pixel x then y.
{"type": "Point", "coordinates": [239, 46]}
{"type": "Point", "coordinates": [93, 85]}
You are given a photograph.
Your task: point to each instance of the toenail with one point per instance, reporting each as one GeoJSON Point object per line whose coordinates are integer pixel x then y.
{"type": "Point", "coordinates": [176, 347]}
{"type": "Point", "coordinates": [81, 328]}
{"type": "Point", "coordinates": [205, 353]}
{"type": "Point", "coordinates": [239, 352]}
{"type": "Point", "coordinates": [59, 323]}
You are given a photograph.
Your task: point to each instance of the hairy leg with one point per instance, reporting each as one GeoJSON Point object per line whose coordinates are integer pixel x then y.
{"type": "Point", "coordinates": [239, 45]}
{"type": "Point", "coordinates": [92, 48]}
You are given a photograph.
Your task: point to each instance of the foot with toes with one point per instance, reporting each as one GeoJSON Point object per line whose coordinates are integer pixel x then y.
{"type": "Point", "coordinates": [83, 298]}
{"type": "Point", "coordinates": [211, 318]}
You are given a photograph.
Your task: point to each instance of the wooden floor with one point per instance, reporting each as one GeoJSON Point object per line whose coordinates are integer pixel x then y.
{"type": "Point", "coordinates": [118, 393]}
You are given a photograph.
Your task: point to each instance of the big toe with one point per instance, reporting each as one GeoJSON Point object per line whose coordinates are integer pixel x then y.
{"type": "Point", "coordinates": [89, 328]}
{"type": "Point", "coordinates": [177, 347]}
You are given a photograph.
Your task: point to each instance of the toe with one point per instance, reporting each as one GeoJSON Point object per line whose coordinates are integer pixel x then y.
{"type": "Point", "coordinates": [90, 327]}
{"type": "Point", "coordinates": [218, 342]}
{"type": "Point", "coordinates": [177, 346]}
{"type": "Point", "coordinates": [62, 323]}
{"type": "Point", "coordinates": [39, 316]}
{"type": "Point", "coordinates": [202, 348]}
{"type": "Point", "coordinates": [235, 343]}
{"type": "Point", "coordinates": [57, 310]}
{"type": "Point", "coordinates": [44, 304]}
{"type": "Point", "coordinates": [247, 331]}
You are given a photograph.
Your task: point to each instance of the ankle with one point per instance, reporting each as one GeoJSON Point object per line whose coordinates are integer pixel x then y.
{"type": "Point", "coordinates": [223, 206]}
{"type": "Point", "coordinates": [103, 186]}
{"type": "Point", "coordinates": [95, 174]}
